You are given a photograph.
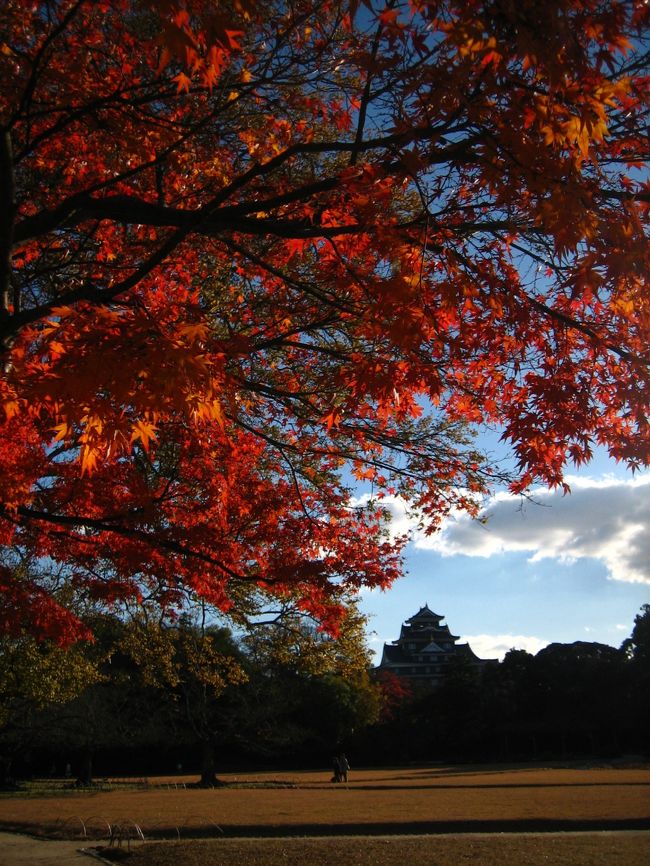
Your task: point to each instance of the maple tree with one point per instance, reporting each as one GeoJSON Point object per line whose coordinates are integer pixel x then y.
{"type": "Point", "coordinates": [246, 248]}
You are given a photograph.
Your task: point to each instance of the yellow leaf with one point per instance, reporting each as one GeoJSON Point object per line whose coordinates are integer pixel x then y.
{"type": "Point", "coordinates": [11, 408]}
{"type": "Point", "coordinates": [88, 456]}
{"type": "Point", "coordinates": [194, 333]}
{"type": "Point", "coordinates": [210, 410]}
{"type": "Point", "coordinates": [63, 430]}
{"type": "Point", "coordinates": [62, 312]}
{"type": "Point", "coordinates": [145, 432]}
{"type": "Point", "coordinates": [623, 306]}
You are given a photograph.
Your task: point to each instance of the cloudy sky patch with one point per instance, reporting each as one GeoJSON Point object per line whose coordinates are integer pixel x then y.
{"type": "Point", "coordinates": [558, 568]}
{"type": "Point", "coordinates": [492, 646]}
{"type": "Point", "coordinates": [607, 520]}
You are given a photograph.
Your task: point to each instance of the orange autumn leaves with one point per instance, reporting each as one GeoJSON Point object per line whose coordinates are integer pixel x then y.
{"type": "Point", "coordinates": [253, 247]}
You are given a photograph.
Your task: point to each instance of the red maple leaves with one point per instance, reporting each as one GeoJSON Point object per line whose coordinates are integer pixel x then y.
{"type": "Point", "coordinates": [249, 248]}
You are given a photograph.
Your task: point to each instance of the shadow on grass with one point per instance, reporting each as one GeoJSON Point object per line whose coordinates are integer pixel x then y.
{"type": "Point", "coordinates": [410, 828]}
{"type": "Point", "coordinates": [207, 829]}
{"type": "Point", "coordinates": [361, 786]}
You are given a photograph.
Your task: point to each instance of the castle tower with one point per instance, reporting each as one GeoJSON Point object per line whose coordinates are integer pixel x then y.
{"type": "Point", "coordinates": [424, 649]}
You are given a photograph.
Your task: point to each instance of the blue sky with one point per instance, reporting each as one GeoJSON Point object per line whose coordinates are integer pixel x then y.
{"type": "Point", "coordinates": [562, 568]}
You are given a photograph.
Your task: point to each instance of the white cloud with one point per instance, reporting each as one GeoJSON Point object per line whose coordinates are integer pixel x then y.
{"type": "Point", "coordinates": [400, 521]}
{"type": "Point", "coordinates": [606, 519]}
{"type": "Point", "coordinates": [490, 646]}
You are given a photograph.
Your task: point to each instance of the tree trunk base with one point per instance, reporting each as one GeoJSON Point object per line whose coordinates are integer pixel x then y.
{"type": "Point", "coordinates": [209, 781]}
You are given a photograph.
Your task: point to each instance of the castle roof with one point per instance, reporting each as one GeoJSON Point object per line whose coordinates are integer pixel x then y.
{"type": "Point", "coordinates": [432, 648]}
{"type": "Point", "coordinates": [415, 628]}
{"type": "Point", "coordinates": [393, 655]}
{"type": "Point", "coordinates": [424, 614]}
{"type": "Point", "coordinates": [464, 650]}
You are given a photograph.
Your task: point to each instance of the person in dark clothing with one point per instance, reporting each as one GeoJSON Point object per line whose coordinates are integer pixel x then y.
{"type": "Point", "coordinates": [343, 767]}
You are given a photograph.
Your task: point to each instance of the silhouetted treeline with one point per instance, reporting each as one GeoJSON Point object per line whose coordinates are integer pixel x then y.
{"type": "Point", "coordinates": [158, 701]}
{"type": "Point", "coordinates": [568, 700]}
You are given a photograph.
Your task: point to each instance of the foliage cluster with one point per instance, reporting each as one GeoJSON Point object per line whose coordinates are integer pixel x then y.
{"type": "Point", "coordinates": [251, 249]}
{"type": "Point", "coordinates": [148, 694]}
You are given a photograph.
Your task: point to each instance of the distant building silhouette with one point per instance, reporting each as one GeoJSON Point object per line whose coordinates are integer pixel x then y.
{"type": "Point", "coordinates": [423, 651]}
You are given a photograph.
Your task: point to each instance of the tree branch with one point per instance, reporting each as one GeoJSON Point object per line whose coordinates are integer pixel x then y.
{"type": "Point", "coordinates": [7, 213]}
{"type": "Point", "coordinates": [151, 539]}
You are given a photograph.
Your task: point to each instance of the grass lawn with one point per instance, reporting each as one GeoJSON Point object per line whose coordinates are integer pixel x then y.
{"type": "Point", "coordinates": [568, 849]}
{"type": "Point", "coordinates": [374, 803]}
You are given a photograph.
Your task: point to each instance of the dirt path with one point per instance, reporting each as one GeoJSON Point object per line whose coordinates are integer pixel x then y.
{"type": "Point", "coordinates": [26, 851]}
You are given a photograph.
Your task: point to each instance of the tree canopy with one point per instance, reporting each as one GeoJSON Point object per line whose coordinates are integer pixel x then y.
{"type": "Point", "coordinates": [249, 248]}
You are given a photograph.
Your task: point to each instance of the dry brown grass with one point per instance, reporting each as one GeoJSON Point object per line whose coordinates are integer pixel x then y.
{"type": "Point", "coordinates": [630, 849]}
{"type": "Point", "coordinates": [375, 802]}
{"type": "Point", "coordinates": [379, 800]}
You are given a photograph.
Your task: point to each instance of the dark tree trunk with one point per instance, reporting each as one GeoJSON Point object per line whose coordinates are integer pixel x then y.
{"type": "Point", "coordinates": [85, 776]}
{"type": "Point", "coordinates": [6, 780]}
{"type": "Point", "coordinates": [208, 766]}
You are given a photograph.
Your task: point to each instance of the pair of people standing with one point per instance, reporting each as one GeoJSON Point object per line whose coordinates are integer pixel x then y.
{"type": "Point", "coordinates": [341, 768]}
